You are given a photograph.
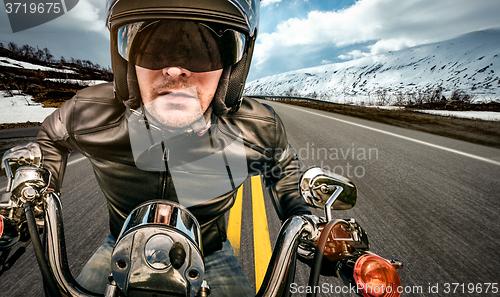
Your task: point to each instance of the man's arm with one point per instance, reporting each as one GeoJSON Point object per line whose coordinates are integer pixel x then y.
{"type": "Point", "coordinates": [51, 138]}
{"type": "Point", "coordinates": [282, 181]}
{"type": "Point", "coordinates": [283, 186]}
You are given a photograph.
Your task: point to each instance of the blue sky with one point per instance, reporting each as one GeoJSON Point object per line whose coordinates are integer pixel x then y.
{"type": "Point", "coordinates": [293, 34]}
{"type": "Point", "coordinates": [296, 34]}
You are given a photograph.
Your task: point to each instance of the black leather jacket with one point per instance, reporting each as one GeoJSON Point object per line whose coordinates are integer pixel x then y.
{"type": "Point", "coordinates": [94, 123]}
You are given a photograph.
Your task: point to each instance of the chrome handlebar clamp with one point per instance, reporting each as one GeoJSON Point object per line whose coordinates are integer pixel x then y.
{"type": "Point", "coordinates": [27, 181]}
{"type": "Point", "coordinates": [305, 249]}
{"type": "Point", "coordinates": [27, 154]}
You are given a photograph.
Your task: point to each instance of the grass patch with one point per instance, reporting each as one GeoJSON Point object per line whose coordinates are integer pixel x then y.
{"type": "Point", "coordinates": [55, 97]}
{"type": "Point", "coordinates": [19, 125]}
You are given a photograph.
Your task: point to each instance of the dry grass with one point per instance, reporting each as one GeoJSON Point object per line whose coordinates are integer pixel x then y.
{"type": "Point", "coordinates": [475, 131]}
{"type": "Point", "coordinates": [19, 125]}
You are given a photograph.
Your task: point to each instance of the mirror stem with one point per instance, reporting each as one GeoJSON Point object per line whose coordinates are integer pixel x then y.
{"type": "Point", "coordinates": [331, 200]}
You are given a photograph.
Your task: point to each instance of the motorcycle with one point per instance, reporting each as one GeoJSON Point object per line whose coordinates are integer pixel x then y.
{"type": "Point", "coordinates": [159, 251]}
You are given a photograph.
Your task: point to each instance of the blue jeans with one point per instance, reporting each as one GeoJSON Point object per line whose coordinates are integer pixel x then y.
{"type": "Point", "coordinates": [223, 273]}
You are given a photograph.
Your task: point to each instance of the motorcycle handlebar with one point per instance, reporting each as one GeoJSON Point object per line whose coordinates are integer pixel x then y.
{"type": "Point", "coordinates": [56, 250]}
{"type": "Point", "coordinates": [279, 271]}
{"type": "Point", "coordinates": [294, 230]}
{"type": "Point", "coordinates": [37, 246]}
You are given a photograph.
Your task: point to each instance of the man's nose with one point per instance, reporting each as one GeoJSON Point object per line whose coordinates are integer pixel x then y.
{"type": "Point", "coordinates": [176, 72]}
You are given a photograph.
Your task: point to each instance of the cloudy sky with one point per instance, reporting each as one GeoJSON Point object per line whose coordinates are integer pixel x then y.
{"type": "Point", "coordinates": [293, 34]}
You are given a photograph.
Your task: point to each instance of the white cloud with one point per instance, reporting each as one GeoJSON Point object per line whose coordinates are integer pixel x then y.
{"type": "Point", "coordinates": [323, 62]}
{"type": "Point", "coordinates": [354, 55]}
{"type": "Point", "coordinates": [268, 2]}
{"type": "Point", "coordinates": [392, 44]}
{"type": "Point", "coordinates": [391, 24]}
{"type": "Point", "coordinates": [87, 15]}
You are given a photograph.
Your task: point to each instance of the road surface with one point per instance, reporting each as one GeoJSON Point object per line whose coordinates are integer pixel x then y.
{"type": "Point", "coordinates": [430, 201]}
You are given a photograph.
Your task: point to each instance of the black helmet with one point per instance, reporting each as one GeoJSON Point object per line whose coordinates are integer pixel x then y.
{"type": "Point", "coordinates": [241, 16]}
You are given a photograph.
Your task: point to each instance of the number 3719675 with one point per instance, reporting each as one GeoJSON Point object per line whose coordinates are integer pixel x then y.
{"type": "Point", "coordinates": [33, 8]}
{"type": "Point", "coordinates": [455, 288]}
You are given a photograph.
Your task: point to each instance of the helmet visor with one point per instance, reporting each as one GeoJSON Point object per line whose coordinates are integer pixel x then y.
{"type": "Point", "coordinates": [195, 46]}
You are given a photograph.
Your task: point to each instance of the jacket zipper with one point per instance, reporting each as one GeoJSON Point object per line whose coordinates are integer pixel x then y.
{"type": "Point", "coordinates": [166, 157]}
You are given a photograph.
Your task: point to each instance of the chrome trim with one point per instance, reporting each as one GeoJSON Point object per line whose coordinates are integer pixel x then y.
{"type": "Point", "coordinates": [397, 264]}
{"type": "Point", "coordinates": [282, 262]}
{"type": "Point", "coordinates": [361, 242]}
{"type": "Point", "coordinates": [56, 246]}
{"type": "Point", "coordinates": [306, 250]}
{"type": "Point", "coordinates": [141, 259]}
{"type": "Point", "coordinates": [20, 155]}
{"type": "Point", "coordinates": [28, 183]}
{"type": "Point", "coordinates": [134, 271]}
{"type": "Point", "coordinates": [56, 250]}
{"type": "Point", "coordinates": [112, 290]}
{"type": "Point", "coordinates": [276, 280]}
{"type": "Point", "coordinates": [331, 201]}
{"type": "Point", "coordinates": [205, 290]}
{"type": "Point", "coordinates": [321, 188]}
{"type": "Point", "coordinates": [165, 213]}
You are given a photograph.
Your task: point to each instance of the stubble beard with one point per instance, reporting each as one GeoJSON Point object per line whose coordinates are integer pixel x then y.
{"type": "Point", "coordinates": [166, 114]}
{"type": "Point", "coordinates": [174, 115]}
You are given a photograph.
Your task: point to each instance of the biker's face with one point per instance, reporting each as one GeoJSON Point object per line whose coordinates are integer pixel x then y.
{"type": "Point", "coordinates": [175, 96]}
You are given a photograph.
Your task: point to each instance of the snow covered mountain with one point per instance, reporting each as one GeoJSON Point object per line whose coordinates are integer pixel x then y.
{"type": "Point", "coordinates": [468, 63]}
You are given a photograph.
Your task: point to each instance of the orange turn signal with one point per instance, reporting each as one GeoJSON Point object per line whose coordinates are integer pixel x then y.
{"type": "Point", "coordinates": [1, 226]}
{"type": "Point", "coordinates": [376, 277]}
{"type": "Point", "coordinates": [9, 233]}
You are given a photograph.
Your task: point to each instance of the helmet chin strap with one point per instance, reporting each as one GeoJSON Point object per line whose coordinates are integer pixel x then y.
{"type": "Point", "coordinates": [219, 101]}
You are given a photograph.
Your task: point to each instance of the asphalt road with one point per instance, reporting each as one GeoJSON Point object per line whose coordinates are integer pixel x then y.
{"type": "Point", "coordinates": [429, 201]}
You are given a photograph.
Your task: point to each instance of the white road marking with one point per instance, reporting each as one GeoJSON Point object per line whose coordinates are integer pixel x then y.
{"type": "Point", "coordinates": [75, 161]}
{"type": "Point", "coordinates": [405, 137]}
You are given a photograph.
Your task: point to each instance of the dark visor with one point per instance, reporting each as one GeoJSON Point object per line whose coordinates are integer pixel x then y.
{"type": "Point", "coordinates": [195, 46]}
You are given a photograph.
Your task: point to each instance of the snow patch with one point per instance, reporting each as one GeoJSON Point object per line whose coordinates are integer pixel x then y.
{"type": "Point", "coordinates": [79, 82]}
{"type": "Point", "coordinates": [7, 62]}
{"type": "Point", "coordinates": [482, 115]}
{"type": "Point", "coordinates": [21, 109]}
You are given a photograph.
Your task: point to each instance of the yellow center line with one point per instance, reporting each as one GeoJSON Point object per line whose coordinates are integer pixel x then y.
{"type": "Point", "coordinates": [234, 223]}
{"type": "Point", "coordinates": [261, 241]}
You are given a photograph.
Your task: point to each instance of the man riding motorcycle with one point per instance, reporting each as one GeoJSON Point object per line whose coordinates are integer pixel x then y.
{"type": "Point", "coordinates": [176, 100]}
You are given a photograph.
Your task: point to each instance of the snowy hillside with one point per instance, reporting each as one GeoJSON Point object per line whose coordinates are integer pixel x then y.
{"type": "Point", "coordinates": [469, 63]}
{"type": "Point", "coordinates": [33, 84]}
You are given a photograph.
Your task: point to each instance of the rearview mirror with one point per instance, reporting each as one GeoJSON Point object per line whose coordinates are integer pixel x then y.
{"type": "Point", "coordinates": [321, 188]}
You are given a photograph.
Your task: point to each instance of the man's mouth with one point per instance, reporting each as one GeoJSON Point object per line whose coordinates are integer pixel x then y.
{"type": "Point", "coordinates": [178, 97]}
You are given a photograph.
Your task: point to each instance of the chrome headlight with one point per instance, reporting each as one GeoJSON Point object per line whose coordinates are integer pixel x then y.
{"type": "Point", "coordinates": [159, 251]}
